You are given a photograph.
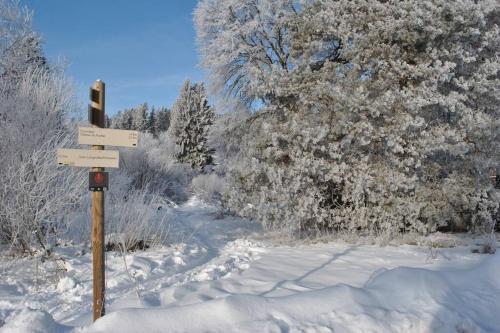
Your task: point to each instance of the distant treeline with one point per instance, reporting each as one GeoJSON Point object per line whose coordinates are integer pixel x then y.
{"type": "Point", "coordinates": [141, 118]}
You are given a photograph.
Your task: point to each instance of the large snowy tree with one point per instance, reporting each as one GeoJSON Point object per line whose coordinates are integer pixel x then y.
{"type": "Point", "coordinates": [386, 121]}
{"type": "Point", "coordinates": [191, 119]}
{"type": "Point", "coordinates": [20, 46]}
{"type": "Point", "coordinates": [242, 42]}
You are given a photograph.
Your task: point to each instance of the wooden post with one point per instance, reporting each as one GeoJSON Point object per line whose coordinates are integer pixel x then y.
{"type": "Point", "coordinates": [96, 113]}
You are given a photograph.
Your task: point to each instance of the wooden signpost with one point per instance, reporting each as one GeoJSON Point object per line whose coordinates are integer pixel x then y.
{"type": "Point", "coordinates": [97, 159]}
{"type": "Point", "coordinates": [96, 118]}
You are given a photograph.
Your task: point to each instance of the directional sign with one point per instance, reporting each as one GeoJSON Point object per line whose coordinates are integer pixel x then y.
{"type": "Point", "coordinates": [88, 158]}
{"type": "Point", "coordinates": [107, 137]}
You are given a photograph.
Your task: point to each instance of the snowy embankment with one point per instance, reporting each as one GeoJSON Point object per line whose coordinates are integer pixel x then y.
{"type": "Point", "coordinates": [217, 279]}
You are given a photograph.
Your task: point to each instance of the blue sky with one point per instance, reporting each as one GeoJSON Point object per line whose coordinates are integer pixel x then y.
{"type": "Point", "coordinates": [142, 50]}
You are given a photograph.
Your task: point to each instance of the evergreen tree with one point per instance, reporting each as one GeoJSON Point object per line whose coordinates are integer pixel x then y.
{"type": "Point", "coordinates": [191, 120]}
{"type": "Point", "coordinates": [116, 120]}
{"type": "Point", "coordinates": [163, 120]}
{"type": "Point", "coordinates": [151, 123]}
{"type": "Point", "coordinates": [128, 120]}
{"type": "Point", "coordinates": [139, 117]}
{"type": "Point", "coordinates": [142, 119]}
{"type": "Point", "coordinates": [107, 122]}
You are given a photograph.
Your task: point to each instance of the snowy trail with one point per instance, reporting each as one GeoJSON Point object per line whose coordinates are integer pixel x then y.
{"type": "Point", "coordinates": [219, 248]}
{"type": "Point", "coordinates": [196, 242]}
{"type": "Point", "coordinates": [215, 277]}
{"type": "Point", "coordinates": [284, 271]}
{"type": "Point", "coordinates": [202, 239]}
{"type": "Point", "coordinates": [398, 300]}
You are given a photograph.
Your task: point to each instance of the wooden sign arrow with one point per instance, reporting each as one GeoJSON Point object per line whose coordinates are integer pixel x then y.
{"type": "Point", "coordinates": [88, 158]}
{"type": "Point", "coordinates": [107, 137]}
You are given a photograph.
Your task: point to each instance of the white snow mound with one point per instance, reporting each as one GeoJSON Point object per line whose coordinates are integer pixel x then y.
{"type": "Point", "coordinates": [66, 283]}
{"type": "Point", "coordinates": [33, 321]}
{"type": "Point", "coordinates": [398, 300]}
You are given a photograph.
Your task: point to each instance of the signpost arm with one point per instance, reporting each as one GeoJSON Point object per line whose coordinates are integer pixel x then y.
{"type": "Point", "coordinates": [97, 117]}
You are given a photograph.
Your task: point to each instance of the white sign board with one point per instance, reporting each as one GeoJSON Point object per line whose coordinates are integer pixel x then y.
{"type": "Point", "coordinates": [107, 137]}
{"type": "Point", "coordinates": [88, 158]}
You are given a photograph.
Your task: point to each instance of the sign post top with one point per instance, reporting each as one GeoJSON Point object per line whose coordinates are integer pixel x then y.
{"type": "Point", "coordinates": [96, 107]}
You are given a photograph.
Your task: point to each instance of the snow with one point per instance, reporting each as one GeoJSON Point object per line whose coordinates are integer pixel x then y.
{"type": "Point", "coordinates": [398, 300]}
{"type": "Point", "coordinates": [29, 320]}
{"type": "Point", "coordinates": [66, 284]}
{"type": "Point", "coordinates": [222, 276]}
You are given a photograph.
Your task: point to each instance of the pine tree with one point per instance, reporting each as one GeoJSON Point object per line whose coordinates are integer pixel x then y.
{"type": "Point", "coordinates": [163, 120]}
{"type": "Point", "coordinates": [190, 122]}
{"type": "Point", "coordinates": [151, 124]}
{"type": "Point", "coordinates": [107, 122]}
{"type": "Point", "coordinates": [128, 119]}
{"type": "Point", "coordinates": [139, 117]}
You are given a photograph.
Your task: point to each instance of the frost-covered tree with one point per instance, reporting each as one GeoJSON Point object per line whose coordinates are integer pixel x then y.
{"type": "Point", "coordinates": [140, 117]}
{"type": "Point", "coordinates": [226, 133]}
{"type": "Point", "coordinates": [132, 119]}
{"type": "Point", "coordinates": [36, 197]}
{"type": "Point", "coordinates": [151, 123]}
{"type": "Point", "coordinates": [163, 120]}
{"type": "Point", "coordinates": [107, 121]}
{"type": "Point", "coordinates": [122, 120]}
{"type": "Point", "coordinates": [190, 122]}
{"type": "Point", "coordinates": [20, 46]}
{"type": "Point", "coordinates": [143, 119]}
{"type": "Point", "coordinates": [241, 42]}
{"type": "Point", "coordinates": [35, 101]}
{"type": "Point", "coordinates": [386, 121]}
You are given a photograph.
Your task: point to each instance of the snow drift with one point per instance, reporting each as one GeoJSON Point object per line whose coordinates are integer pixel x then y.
{"type": "Point", "coordinates": [398, 300]}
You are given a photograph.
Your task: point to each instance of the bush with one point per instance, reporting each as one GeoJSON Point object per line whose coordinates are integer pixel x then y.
{"type": "Point", "coordinates": [153, 165]}
{"type": "Point", "coordinates": [133, 222]}
{"type": "Point", "coordinates": [210, 188]}
{"type": "Point", "coordinates": [36, 196]}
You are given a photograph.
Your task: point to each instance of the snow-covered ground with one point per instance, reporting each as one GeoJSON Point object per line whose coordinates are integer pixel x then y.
{"type": "Point", "coordinates": [219, 277]}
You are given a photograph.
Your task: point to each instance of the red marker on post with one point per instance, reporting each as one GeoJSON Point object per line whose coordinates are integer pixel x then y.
{"type": "Point", "coordinates": [98, 181]}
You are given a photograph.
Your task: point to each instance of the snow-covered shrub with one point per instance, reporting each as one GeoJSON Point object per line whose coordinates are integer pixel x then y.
{"type": "Point", "coordinates": [36, 100]}
{"type": "Point", "coordinates": [135, 162]}
{"type": "Point", "coordinates": [171, 177]}
{"type": "Point", "coordinates": [385, 118]}
{"type": "Point", "coordinates": [36, 196]}
{"type": "Point", "coordinates": [210, 188]}
{"type": "Point", "coordinates": [37, 106]}
{"type": "Point", "coordinates": [133, 221]}
{"type": "Point", "coordinates": [153, 164]}
{"type": "Point", "coordinates": [225, 135]}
